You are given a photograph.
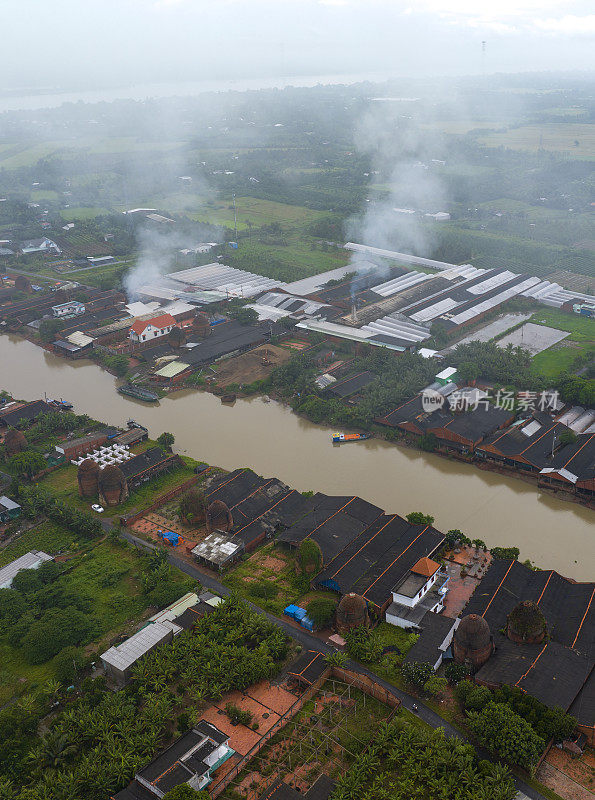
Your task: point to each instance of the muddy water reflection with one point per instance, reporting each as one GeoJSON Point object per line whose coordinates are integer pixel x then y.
{"type": "Point", "coordinates": [273, 441]}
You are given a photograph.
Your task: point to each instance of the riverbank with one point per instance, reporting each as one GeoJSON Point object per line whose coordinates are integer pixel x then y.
{"type": "Point", "coordinates": [271, 439]}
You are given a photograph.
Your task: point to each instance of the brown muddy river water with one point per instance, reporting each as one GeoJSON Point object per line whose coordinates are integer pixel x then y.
{"type": "Point", "coordinates": [273, 441]}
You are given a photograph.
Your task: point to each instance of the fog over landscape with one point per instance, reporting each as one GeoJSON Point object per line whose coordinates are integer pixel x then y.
{"type": "Point", "coordinates": [297, 400]}
{"type": "Point", "coordinates": [122, 43]}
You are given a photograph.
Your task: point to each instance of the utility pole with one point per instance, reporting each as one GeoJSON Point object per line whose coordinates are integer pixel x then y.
{"type": "Point", "coordinates": [235, 217]}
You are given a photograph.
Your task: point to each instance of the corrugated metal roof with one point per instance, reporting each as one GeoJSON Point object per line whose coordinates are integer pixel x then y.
{"type": "Point", "coordinates": [172, 369]}
{"type": "Point", "coordinates": [31, 560]}
{"type": "Point", "coordinates": [128, 653]}
{"type": "Point", "coordinates": [80, 339]}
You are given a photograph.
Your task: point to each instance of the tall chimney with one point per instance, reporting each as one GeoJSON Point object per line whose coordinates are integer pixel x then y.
{"type": "Point", "coordinates": [353, 312]}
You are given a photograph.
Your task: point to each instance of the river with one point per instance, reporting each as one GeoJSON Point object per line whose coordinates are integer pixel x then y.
{"type": "Point", "coordinates": [275, 442]}
{"type": "Point", "coordinates": [19, 100]}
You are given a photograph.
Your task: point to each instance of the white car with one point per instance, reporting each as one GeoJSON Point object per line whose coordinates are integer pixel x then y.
{"type": "Point", "coordinates": [97, 508]}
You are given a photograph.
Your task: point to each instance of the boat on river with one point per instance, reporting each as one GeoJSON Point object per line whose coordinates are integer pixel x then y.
{"type": "Point", "coordinates": [341, 438]}
{"type": "Point", "coordinates": [138, 393]}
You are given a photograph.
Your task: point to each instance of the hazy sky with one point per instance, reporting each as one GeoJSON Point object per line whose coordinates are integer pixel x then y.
{"type": "Point", "coordinates": [93, 43]}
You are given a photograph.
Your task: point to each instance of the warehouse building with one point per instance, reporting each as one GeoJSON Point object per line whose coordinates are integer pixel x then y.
{"type": "Point", "coordinates": [460, 431]}
{"type": "Point", "coordinates": [551, 659]}
{"type": "Point", "coordinates": [15, 415]}
{"type": "Point", "coordinates": [119, 661]}
{"type": "Point", "coordinates": [375, 562]}
{"type": "Point", "coordinates": [259, 507]}
{"type": "Point", "coordinates": [333, 523]}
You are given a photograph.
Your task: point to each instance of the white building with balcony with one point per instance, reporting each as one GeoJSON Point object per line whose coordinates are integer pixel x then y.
{"type": "Point", "coordinates": [421, 590]}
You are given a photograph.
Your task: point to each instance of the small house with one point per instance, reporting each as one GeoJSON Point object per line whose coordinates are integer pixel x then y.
{"type": "Point", "coordinates": [421, 590]}
{"type": "Point", "coordinates": [149, 329]}
{"type": "Point", "coordinates": [73, 308]}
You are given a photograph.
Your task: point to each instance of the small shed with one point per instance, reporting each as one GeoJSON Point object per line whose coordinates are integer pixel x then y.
{"type": "Point", "coordinates": [447, 376]}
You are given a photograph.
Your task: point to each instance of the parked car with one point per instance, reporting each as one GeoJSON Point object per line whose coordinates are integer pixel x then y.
{"type": "Point", "coordinates": [98, 508]}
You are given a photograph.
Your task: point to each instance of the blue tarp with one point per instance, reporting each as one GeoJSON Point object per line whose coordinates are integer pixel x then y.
{"type": "Point", "coordinates": [306, 622]}
{"type": "Point", "coordinates": [290, 610]}
{"type": "Point", "coordinates": [299, 613]}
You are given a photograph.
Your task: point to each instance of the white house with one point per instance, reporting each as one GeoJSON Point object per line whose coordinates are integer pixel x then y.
{"type": "Point", "coordinates": [71, 309]}
{"type": "Point", "coordinates": [148, 329]}
{"type": "Point", "coordinates": [40, 246]}
{"type": "Point", "coordinates": [421, 590]}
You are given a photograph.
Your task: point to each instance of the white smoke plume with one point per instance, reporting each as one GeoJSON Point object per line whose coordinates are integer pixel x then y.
{"type": "Point", "coordinates": [403, 157]}
{"type": "Point", "coordinates": [157, 256]}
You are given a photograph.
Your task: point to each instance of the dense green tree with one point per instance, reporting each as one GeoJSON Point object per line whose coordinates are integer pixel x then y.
{"type": "Point", "coordinates": [322, 611]}
{"type": "Point", "coordinates": [166, 440]}
{"type": "Point", "coordinates": [507, 735]}
{"type": "Point", "coordinates": [417, 673]}
{"type": "Point", "coordinates": [419, 518]}
{"type": "Point", "coordinates": [27, 464]}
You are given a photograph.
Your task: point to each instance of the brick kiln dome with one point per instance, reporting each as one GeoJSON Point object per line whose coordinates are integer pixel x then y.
{"type": "Point", "coordinates": [473, 641]}
{"type": "Point", "coordinates": [23, 284]}
{"type": "Point", "coordinates": [112, 485]}
{"type": "Point", "coordinates": [15, 441]}
{"type": "Point", "coordinates": [219, 517]}
{"type": "Point", "coordinates": [526, 623]}
{"type": "Point", "coordinates": [352, 612]}
{"type": "Point", "coordinates": [88, 475]}
{"type": "Point", "coordinates": [177, 337]}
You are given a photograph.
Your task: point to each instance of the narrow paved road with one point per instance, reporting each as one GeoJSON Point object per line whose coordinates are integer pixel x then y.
{"type": "Point", "coordinates": [310, 642]}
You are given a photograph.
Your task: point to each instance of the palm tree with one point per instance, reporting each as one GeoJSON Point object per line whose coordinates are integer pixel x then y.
{"type": "Point", "coordinates": [28, 703]}
{"type": "Point", "coordinates": [51, 752]}
{"type": "Point", "coordinates": [51, 688]}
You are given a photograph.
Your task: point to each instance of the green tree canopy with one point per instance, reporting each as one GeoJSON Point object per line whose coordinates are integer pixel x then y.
{"type": "Point", "coordinates": [507, 735]}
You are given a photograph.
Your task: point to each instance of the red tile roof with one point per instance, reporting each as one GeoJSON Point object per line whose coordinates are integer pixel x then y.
{"type": "Point", "coordinates": [426, 567]}
{"type": "Point", "coordinates": [163, 321]}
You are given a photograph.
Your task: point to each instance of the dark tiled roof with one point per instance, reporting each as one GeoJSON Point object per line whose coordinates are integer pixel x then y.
{"type": "Point", "coordinates": [28, 412]}
{"type": "Point", "coordinates": [552, 673]}
{"type": "Point", "coordinates": [333, 523]}
{"type": "Point", "coordinates": [227, 338]}
{"type": "Point", "coordinates": [137, 464]}
{"type": "Point", "coordinates": [320, 790]}
{"type": "Point", "coordinates": [569, 608]}
{"type": "Point", "coordinates": [309, 666]}
{"type": "Point", "coordinates": [375, 560]}
{"type": "Point", "coordinates": [434, 630]}
{"type": "Point", "coordinates": [578, 458]}
{"type": "Point", "coordinates": [583, 708]}
{"type": "Point", "coordinates": [168, 757]}
{"type": "Point", "coordinates": [351, 385]}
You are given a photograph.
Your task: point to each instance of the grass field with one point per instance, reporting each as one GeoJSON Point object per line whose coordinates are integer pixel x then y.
{"type": "Point", "coordinates": [553, 136]}
{"type": "Point", "coordinates": [557, 359]}
{"type": "Point", "coordinates": [291, 262]}
{"type": "Point", "coordinates": [48, 537]}
{"type": "Point", "coordinates": [581, 329]}
{"type": "Point", "coordinates": [562, 356]}
{"type": "Point", "coordinates": [249, 209]}
{"type": "Point", "coordinates": [109, 575]}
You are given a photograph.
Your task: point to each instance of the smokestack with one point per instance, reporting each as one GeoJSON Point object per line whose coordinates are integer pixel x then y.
{"type": "Point", "coordinates": [353, 312]}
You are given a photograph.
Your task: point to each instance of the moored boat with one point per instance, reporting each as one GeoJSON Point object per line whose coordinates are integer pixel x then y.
{"type": "Point", "coordinates": [340, 438]}
{"type": "Point", "coordinates": [138, 393]}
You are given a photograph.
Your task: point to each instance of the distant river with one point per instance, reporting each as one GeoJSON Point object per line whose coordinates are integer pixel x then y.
{"type": "Point", "coordinates": [275, 442]}
{"type": "Point", "coordinates": [21, 101]}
